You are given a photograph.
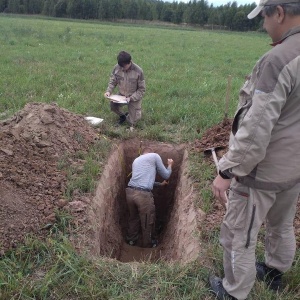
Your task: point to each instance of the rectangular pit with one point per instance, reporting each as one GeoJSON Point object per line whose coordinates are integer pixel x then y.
{"type": "Point", "coordinates": [176, 218]}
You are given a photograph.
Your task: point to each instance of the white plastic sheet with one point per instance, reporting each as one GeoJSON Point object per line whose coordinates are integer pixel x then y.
{"type": "Point", "coordinates": [93, 121]}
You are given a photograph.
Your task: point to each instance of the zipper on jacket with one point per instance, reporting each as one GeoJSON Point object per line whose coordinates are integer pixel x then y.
{"type": "Point", "coordinates": [250, 226]}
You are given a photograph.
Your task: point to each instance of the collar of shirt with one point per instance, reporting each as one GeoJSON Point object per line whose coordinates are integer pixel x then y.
{"type": "Point", "coordinates": [290, 32]}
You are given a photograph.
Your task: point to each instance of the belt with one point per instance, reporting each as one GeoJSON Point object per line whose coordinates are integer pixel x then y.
{"type": "Point", "coordinates": [139, 189]}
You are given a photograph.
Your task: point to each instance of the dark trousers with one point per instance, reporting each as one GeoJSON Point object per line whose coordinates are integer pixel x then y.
{"type": "Point", "coordinates": [141, 216]}
{"type": "Point", "coordinates": [134, 110]}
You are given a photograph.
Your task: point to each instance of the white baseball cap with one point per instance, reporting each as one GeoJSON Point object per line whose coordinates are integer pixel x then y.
{"type": "Point", "coordinates": [263, 3]}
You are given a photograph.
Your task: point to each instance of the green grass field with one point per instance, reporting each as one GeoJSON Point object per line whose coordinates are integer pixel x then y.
{"type": "Point", "coordinates": [186, 71]}
{"type": "Point", "coordinates": [70, 62]}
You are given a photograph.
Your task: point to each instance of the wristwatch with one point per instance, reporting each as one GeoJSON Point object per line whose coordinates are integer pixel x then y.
{"type": "Point", "coordinates": [223, 175]}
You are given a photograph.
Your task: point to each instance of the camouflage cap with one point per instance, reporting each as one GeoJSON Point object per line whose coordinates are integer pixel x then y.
{"type": "Point", "coordinates": [263, 3]}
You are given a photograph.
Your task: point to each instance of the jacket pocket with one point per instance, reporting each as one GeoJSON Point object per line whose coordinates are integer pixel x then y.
{"type": "Point", "coordinates": [244, 213]}
{"type": "Point", "coordinates": [236, 216]}
{"type": "Point", "coordinates": [239, 116]}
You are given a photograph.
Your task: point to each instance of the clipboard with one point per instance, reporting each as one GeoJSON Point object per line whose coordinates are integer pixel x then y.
{"type": "Point", "coordinates": [117, 98]}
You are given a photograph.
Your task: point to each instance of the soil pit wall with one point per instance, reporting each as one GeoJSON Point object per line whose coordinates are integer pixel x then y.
{"type": "Point", "coordinates": [176, 218]}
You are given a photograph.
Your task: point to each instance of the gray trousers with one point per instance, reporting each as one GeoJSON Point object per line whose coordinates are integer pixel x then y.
{"type": "Point", "coordinates": [248, 209]}
{"type": "Point", "coordinates": [134, 110]}
{"type": "Point", "coordinates": [141, 216]}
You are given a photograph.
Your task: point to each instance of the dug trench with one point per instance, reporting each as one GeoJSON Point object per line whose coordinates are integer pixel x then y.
{"type": "Point", "coordinates": [176, 218]}
{"type": "Point", "coordinates": [41, 137]}
{"type": "Point", "coordinates": [36, 140]}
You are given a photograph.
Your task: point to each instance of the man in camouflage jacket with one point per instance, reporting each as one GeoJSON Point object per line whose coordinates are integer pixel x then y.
{"type": "Point", "coordinates": [129, 78]}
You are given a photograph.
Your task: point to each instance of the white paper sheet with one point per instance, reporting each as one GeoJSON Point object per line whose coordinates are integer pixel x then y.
{"type": "Point", "coordinates": [117, 98]}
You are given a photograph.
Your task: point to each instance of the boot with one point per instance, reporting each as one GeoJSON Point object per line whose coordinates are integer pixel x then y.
{"type": "Point", "coordinates": [218, 290]}
{"type": "Point", "coordinates": [272, 277]}
{"type": "Point", "coordinates": [122, 119]}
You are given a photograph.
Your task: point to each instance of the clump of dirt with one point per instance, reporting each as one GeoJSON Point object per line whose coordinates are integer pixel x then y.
{"type": "Point", "coordinates": [32, 143]}
{"type": "Point", "coordinates": [214, 136]}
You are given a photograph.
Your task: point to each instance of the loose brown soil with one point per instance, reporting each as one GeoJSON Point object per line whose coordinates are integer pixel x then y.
{"type": "Point", "coordinates": [32, 143]}
{"type": "Point", "coordinates": [35, 141]}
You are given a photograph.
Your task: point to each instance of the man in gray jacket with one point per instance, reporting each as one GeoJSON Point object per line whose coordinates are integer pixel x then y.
{"type": "Point", "coordinates": [129, 78]}
{"type": "Point", "coordinates": [262, 165]}
{"type": "Point", "coordinates": [140, 198]}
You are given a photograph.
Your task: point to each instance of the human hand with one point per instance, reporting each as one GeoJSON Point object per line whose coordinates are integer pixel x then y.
{"type": "Point", "coordinates": [165, 182]}
{"type": "Point", "coordinates": [170, 162]}
{"type": "Point", "coordinates": [106, 94]}
{"type": "Point", "coordinates": [219, 188]}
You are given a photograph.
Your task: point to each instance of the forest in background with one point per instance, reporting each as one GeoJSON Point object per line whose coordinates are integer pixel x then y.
{"type": "Point", "coordinates": [196, 13]}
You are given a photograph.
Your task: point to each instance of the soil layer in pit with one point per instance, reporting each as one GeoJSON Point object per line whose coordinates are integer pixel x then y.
{"type": "Point", "coordinates": [176, 218]}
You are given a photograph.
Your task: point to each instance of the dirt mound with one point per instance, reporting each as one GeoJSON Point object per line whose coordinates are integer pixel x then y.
{"type": "Point", "coordinates": [214, 136]}
{"type": "Point", "coordinates": [32, 143]}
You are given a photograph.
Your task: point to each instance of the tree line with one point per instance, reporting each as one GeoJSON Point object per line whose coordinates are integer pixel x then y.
{"type": "Point", "coordinates": [199, 13]}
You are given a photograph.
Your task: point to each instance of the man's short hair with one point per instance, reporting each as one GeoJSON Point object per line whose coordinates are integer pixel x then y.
{"type": "Point", "coordinates": [292, 9]}
{"type": "Point", "coordinates": [124, 58]}
{"type": "Point", "coordinates": [147, 150]}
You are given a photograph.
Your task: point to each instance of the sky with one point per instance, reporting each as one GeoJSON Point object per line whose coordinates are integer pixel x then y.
{"type": "Point", "coordinates": [218, 2]}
